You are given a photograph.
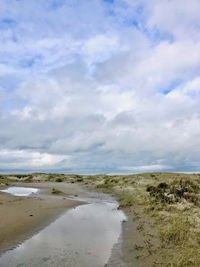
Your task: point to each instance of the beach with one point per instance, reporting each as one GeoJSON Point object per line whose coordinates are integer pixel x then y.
{"type": "Point", "coordinates": [21, 217]}
{"type": "Point", "coordinates": [162, 213]}
{"type": "Point", "coordinates": [65, 229]}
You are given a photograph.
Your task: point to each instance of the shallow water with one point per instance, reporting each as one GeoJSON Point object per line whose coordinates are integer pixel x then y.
{"type": "Point", "coordinates": [82, 237]}
{"type": "Point", "coordinates": [20, 191]}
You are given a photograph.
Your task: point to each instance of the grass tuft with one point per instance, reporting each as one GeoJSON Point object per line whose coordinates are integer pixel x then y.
{"type": "Point", "coordinates": [176, 231]}
{"type": "Point", "coordinates": [56, 191]}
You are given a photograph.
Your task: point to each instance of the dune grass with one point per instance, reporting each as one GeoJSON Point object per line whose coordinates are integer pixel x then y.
{"type": "Point", "coordinates": [170, 203]}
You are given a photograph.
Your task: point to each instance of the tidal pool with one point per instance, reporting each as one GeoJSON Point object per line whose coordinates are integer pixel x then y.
{"type": "Point", "coordinates": [82, 237]}
{"type": "Point", "coordinates": [20, 191]}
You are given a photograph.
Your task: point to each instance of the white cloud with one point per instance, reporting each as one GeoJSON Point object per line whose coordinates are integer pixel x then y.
{"type": "Point", "coordinates": [179, 17]}
{"type": "Point", "coordinates": [30, 160]}
{"type": "Point", "coordinates": [96, 86]}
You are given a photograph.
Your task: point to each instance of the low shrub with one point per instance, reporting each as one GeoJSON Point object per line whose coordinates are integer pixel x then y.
{"type": "Point", "coordinates": [59, 180]}
{"type": "Point", "coordinates": [176, 231]}
{"type": "Point", "coordinates": [56, 191]}
{"type": "Point", "coordinates": [175, 191]}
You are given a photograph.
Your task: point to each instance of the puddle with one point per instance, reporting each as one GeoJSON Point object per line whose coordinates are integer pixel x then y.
{"type": "Point", "coordinates": [20, 191]}
{"type": "Point", "coordinates": [82, 237]}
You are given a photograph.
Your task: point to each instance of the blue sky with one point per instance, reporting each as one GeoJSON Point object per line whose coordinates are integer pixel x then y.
{"type": "Point", "coordinates": [99, 86]}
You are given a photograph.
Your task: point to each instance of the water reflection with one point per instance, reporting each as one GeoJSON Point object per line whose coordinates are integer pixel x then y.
{"type": "Point", "coordinates": [82, 237]}
{"type": "Point", "coordinates": [20, 191]}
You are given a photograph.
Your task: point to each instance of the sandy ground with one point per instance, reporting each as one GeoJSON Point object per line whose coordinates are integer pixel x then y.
{"type": "Point", "coordinates": [21, 217]}
{"type": "Point", "coordinates": [122, 254]}
{"type": "Point", "coordinates": [140, 243]}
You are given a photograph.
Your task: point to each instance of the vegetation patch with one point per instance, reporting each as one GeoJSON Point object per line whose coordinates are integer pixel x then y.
{"type": "Point", "coordinates": [177, 231]}
{"type": "Point", "coordinates": [166, 207]}
{"type": "Point", "coordinates": [59, 180]}
{"type": "Point", "coordinates": [126, 199]}
{"type": "Point", "coordinates": [108, 182]}
{"type": "Point", "coordinates": [175, 191]}
{"type": "Point", "coordinates": [56, 191]}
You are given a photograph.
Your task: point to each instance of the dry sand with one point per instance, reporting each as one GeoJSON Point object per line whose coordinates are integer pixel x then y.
{"type": "Point", "coordinates": [21, 217]}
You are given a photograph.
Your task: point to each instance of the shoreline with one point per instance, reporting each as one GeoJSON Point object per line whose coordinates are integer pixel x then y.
{"type": "Point", "coordinates": [46, 208]}
{"type": "Point", "coordinates": [162, 210]}
{"type": "Point", "coordinates": [22, 217]}
{"type": "Point", "coordinates": [69, 190]}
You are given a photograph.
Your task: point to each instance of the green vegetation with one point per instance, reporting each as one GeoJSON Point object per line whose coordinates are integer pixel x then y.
{"type": "Point", "coordinates": [182, 234]}
{"type": "Point", "coordinates": [126, 199]}
{"type": "Point", "coordinates": [59, 180]}
{"type": "Point", "coordinates": [56, 191]}
{"type": "Point", "coordinates": [175, 191]}
{"type": "Point", "coordinates": [165, 204]}
{"type": "Point", "coordinates": [176, 231]}
{"type": "Point", "coordinates": [3, 180]}
{"type": "Point", "coordinates": [170, 203]}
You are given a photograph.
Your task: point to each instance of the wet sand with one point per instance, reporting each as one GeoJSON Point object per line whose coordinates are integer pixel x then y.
{"type": "Point", "coordinates": [22, 217]}
{"type": "Point", "coordinates": [137, 243]}
{"type": "Point", "coordinates": [83, 236]}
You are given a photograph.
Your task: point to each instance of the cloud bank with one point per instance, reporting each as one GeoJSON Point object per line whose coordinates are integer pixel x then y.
{"type": "Point", "coordinates": [99, 86]}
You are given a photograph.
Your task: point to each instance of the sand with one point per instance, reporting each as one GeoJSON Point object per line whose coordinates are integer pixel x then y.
{"type": "Point", "coordinates": [21, 217]}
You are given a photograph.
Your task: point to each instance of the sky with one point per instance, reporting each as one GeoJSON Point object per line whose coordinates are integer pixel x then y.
{"type": "Point", "coordinates": [101, 86]}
